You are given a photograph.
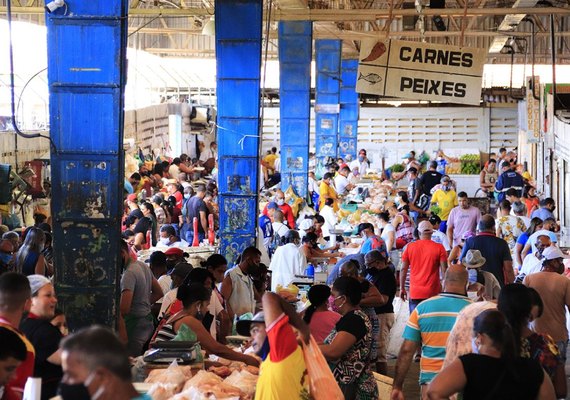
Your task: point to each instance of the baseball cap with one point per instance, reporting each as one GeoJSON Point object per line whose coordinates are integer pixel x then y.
{"type": "Point", "coordinates": [132, 197]}
{"type": "Point", "coordinates": [181, 269]}
{"type": "Point", "coordinates": [425, 227]}
{"type": "Point", "coordinates": [37, 282]}
{"type": "Point", "coordinates": [272, 205]}
{"type": "Point", "coordinates": [244, 325]}
{"type": "Point", "coordinates": [552, 253]}
{"type": "Point", "coordinates": [171, 182]}
{"type": "Point", "coordinates": [363, 226]}
{"type": "Point", "coordinates": [174, 251]}
{"type": "Point", "coordinates": [413, 170]}
{"type": "Point", "coordinates": [434, 219]}
{"type": "Point", "coordinates": [157, 258]}
{"type": "Point", "coordinates": [186, 184]}
{"type": "Point", "coordinates": [505, 164]}
{"type": "Point", "coordinates": [407, 155]}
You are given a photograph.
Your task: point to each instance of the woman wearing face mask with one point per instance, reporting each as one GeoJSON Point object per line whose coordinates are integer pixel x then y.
{"type": "Point", "coordinates": [29, 259]}
{"type": "Point", "coordinates": [494, 370]}
{"type": "Point", "coordinates": [195, 300]}
{"type": "Point", "coordinates": [321, 321]}
{"type": "Point", "coordinates": [348, 346]}
{"type": "Point", "coordinates": [515, 302]}
{"type": "Point", "coordinates": [530, 199]}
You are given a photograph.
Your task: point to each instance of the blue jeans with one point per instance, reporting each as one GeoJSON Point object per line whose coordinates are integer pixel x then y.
{"type": "Point", "coordinates": [190, 236]}
{"type": "Point", "coordinates": [414, 215]}
{"type": "Point", "coordinates": [413, 303]}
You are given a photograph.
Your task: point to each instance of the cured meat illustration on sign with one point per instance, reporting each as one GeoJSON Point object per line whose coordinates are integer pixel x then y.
{"type": "Point", "coordinates": [376, 52]}
{"type": "Point", "coordinates": [371, 78]}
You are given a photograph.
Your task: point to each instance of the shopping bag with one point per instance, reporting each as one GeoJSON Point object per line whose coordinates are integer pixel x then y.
{"type": "Point", "coordinates": [322, 384]}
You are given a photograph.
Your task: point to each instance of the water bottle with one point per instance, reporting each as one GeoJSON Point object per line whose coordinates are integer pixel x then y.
{"type": "Point", "coordinates": [310, 270]}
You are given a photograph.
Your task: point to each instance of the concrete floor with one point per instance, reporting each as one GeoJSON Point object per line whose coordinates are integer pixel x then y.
{"type": "Point", "coordinates": [412, 388]}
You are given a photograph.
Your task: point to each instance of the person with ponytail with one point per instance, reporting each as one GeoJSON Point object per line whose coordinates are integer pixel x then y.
{"type": "Point", "coordinates": [321, 321]}
{"type": "Point", "coordinates": [494, 371]}
{"type": "Point", "coordinates": [516, 302]}
{"type": "Point", "coordinates": [195, 299]}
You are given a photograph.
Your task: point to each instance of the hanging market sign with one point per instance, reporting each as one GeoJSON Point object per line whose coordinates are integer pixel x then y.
{"type": "Point", "coordinates": [421, 71]}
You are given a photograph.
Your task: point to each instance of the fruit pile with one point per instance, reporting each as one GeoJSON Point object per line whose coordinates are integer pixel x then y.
{"type": "Point", "coordinates": [470, 164]}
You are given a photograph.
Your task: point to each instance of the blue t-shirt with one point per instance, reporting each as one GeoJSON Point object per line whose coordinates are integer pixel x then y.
{"type": "Point", "coordinates": [441, 164]}
{"type": "Point", "coordinates": [542, 213]}
{"type": "Point", "coordinates": [266, 227]}
{"type": "Point", "coordinates": [374, 243]}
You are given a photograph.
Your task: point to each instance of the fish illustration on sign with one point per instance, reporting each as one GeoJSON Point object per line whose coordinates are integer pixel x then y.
{"type": "Point", "coordinates": [371, 78]}
{"type": "Point", "coordinates": [376, 52]}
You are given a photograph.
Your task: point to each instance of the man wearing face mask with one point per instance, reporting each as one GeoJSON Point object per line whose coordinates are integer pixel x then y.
{"type": "Point", "coordinates": [285, 208]}
{"type": "Point", "coordinates": [6, 255]}
{"type": "Point", "coordinates": [283, 373]}
{"type": "Point", "coordinates": [554, 289]}
{"type": "Point", "coordinates": [361, 163]}
{"type": "Point", "coordinates": [237, 287]}
{"type": "Point", "coordinates": [445, 198]}
{"type": "Point", "coordinates": [287, 261]}
{"type": "Point", "coordinates": [139, 290]}
{"type": "Point", "coordinates": [168, 238]}
{"type": "Point", "coordinates": [96, 366]}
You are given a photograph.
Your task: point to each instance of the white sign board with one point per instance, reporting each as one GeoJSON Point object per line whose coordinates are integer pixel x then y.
{"type": "Point", "coordinates": [421, 71]}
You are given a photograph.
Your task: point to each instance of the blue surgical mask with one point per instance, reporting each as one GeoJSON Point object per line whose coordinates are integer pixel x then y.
{"type": "Point", "coordinates": [360, 158]}
{"type": "Point", "coordinates": [187, 195]}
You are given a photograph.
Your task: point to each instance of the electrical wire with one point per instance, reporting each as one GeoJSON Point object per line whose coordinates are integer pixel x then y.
{"type": "Point", "coordinates": [145, 24]}
{"type": "Point", "coordinates": [24, 88]}
{"type": "Point", "coordinates": [12, 85]}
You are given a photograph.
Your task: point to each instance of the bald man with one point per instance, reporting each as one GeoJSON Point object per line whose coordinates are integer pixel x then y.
{"type": "Point", "coordinates": [429, 325]}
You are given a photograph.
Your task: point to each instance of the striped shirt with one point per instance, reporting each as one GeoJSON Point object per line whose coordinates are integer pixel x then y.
{"type": "Point", "coordinates": [430, 324]}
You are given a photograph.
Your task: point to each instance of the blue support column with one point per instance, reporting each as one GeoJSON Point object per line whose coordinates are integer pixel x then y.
{"type": "Point", "coordinates": [238, 60]}
{"type": "Point", "coordinates": [328, 55]}
{"type": "Point", "coordinates": [349, 110]}
{"type": "Point", "coordinates": [295, 54]}
{"type": "Point", "coordinates": [86, 74]}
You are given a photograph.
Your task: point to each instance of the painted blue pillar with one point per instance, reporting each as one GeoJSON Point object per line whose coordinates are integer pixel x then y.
{"type": "Point", "coordinates": [86, 74]}
{"type": "Point", "coordinates": [328, 56]}
{"type": "Point", "coordinates": [238, 60]}
{"type": "Point", "coordinates": [349, 110]}
{"type": "Point", "coordinates": [295, 54]}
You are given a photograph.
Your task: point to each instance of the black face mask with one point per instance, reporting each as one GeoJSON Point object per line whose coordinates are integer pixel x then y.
{"type": "Point", "coordinates": [73, 392]}
{"type": "Point", "coordinates": [370, 271]}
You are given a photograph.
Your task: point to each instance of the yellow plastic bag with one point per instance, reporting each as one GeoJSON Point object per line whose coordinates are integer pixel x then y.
{"type": "Point", "coordinates": [322, 383]}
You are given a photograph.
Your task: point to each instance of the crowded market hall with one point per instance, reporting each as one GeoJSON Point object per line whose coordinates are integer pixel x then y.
{"type": "Point", "coordinates": [284, 199]}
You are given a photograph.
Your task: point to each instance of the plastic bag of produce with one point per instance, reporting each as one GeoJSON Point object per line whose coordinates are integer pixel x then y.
{"type": "Point", "coordinates": [322, 384]}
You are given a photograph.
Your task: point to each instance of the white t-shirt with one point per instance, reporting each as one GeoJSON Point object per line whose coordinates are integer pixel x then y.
{"type": "Point", "coordinates": [441, 238]}
{"type": "Point", "coordinates": [362, 166]}
{"type": "Point", "coordinates": [340, 183]}
{"type": "Point", "coordinates": [277, 165]}
{"type": "Point", "coordinates": [385, 231]}
{"type": "Point", "coordinates": [531, 265]}
{"type": "Point", "coordinates": [313, 186]}
{"type": "Point", "coordinates": [173, 171]}
{"type": "Point", "coordinates": [280, 228]}
{"type": "Point", "coordinates": [287, 262]}
{"type": "Point", "coordinates": [164, 281]}
{"type": "Point", "coordinates": [207, 154]}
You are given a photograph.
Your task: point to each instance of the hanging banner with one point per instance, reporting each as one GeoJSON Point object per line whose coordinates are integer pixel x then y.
{"type": "Point", "coordinates": [421, 71]}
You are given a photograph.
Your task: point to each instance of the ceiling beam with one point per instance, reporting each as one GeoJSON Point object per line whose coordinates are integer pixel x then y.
{"type": "Point", "coordinates": [331, 14]}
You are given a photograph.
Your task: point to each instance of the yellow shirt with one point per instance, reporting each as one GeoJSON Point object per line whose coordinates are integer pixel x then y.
{"type": "Point", "coordinates": [270, 160]}
{"type": "Point", "coordinates": [283, 374]}
{"type": "Point", "coordinates": [326, 191]}
{"type": "Point", "coordinates": [446, 201]}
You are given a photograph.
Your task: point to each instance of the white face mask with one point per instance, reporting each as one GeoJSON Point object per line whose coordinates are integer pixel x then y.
{"type": "Point", "coordinates": [164, 241]}
{"type": "Point", "coordinates": [280, 202]}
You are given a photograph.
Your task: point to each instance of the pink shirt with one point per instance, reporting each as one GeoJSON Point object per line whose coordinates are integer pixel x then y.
{"type": "Point", "coordinates": [463, 221]}
{"type": "Point", "coordinates": [322, 323]}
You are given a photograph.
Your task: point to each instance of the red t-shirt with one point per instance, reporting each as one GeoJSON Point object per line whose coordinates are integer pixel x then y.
{"type": "Point", "coordinates": [287, 215]}
{"type": "Point", "coordinates": [25, 370]}
{"type": "Point", "coordinates": [179, 198]}
{"type": "Point", "coordinates": [425, 258]}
